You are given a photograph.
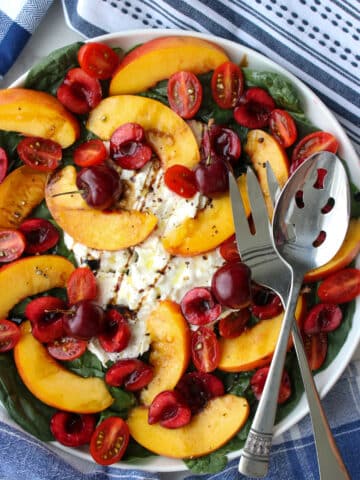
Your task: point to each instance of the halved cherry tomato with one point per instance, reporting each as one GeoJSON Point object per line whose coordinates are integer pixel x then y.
{"type": "Point", "coordinates": [67, 348]}
{"type": "Point", "coordinates": [128, 147]}
{"type": "Point", "coordinates": [46, 318]}
{"type": "Point", "coordinates": [283, 127]}
{"type": "Point", "coordinates": [12, 245]}
{"type": "Point", "coordinates": [340, 287]}
{"type": "Point", "coordinates": [227, 84]}
{"type": "Point", "coordinates": [4, 163]}
{"type": "Point", "coordinates": [79, 92]}
{"type": "Point", "coordinates": [81, 285]}
{"type": "Point", "coordinates": [169, 409]}
{"type": "Point", "coordinates": [258, 380]}
{"type": "Point", "coordinates": [312, 143]}
{"type": "Point", "coordinates": [72, 429]}
{"type": "Point", "coordinates": [109, 441]}
{"type": "Point", "coordinates": [90, 153]}
{"type": "Point", "coordinates": [9, 335]}
{"type": "Point", "coordinates": [116, 334]}
{"type": "Point", "coordinates": [316, 349]}
{"type": "Point", "coordinates": [184, 92]}
{"type": "Point", "coordinates": [181, 180]}
{"type": "Point", "coordinates": [39, 153]}
{"type": "Point", "coordinates": [254, 108]}
{"type": "Point", "coordinates": [205, 349]}
{"type": "Point", "coordinates": [234, 324]}
{"type": "Point", "coordinates": [229, 251]}
{"type": "Point", "coordinates": [98, 60]}
{"type": "Point", "coordinates": [323, 317]}
{"type": "Point", "coordinates": [265, 303]}
{"type": "Point", "coordinates": [40, 235]}
{"type": "Point", "coordinates": [131, 372]}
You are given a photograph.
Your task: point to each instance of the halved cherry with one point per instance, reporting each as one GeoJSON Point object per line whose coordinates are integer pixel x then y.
{"type": "Point", "coordinates": [131, 373]}
{"type": "Point", "coordinates": [323, 317]}
{"type": "Point", "coordinates": [316, 349]}
{"type": "Point", "coordinates": [109, 441]}
{"type": "Point", "coordinates": [12, 245]}
{"type": "Point", "coordinates": [184, 93]}
{"type": "Point", "coordinates": [81, 285]}
{"type": "Point", "coordinates": [222, 143]}
{"type": "Point", "coordinates": [283, 127]}
{"type": "Point", "coordinates": [39, 153]}
{"type": "Point", "coordinates": [229, 251]}
{"type": "Point", "coordinates": [169, 409]}
{"type": "Point", "coordinates": [9, 335]}
{"type": "Point", "coordinates": [92, 152]}
{"type": "Point", "coordinates": [234, 323]}
{"type": "Point", "coordinates": [340, 287]}
{"type": "Point", "coordinates": [254, 108]}
{"type": "Point", "coordinates": [181, 180]}
{"type": "Point", "coordinates": [46, 318]}
{"type": "Point", "coordinates": [258, 380]}
{"type": "Point", "coordinates": [227, 84]}
{"type": "Point", "coordinates": [128, 147]}
{"type": "Point", "coordinates": [199, 306]}
{"type": "Point", "coordinates": [72, 429]}
{"type": "Point", "coordinates": [312, 143]}
{"type": "Point", "coordinates": [98, 60]}
{"type": "Point", "coordinates": [205, 349]}
{"type": "Point", "coordinates": [79, 92]}
{"type": "Point", "coordinates": [4, 163]}
{"type": "Point", "coordinates": [40, 235]}
{"type": "Point", "coordinates": [265, 303]}
{"type": "Point", "coordinates": [197, 388]}
{"type": "Point", "coordinates": [67, 348]}
{"type": "Point", "coordinates": [117, 332]}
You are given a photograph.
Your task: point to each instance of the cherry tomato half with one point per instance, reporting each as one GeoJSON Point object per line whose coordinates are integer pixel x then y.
{"type": "Point", "coordinates": [72, 429]}
{"type": "Point", "coordinates": [109, 441]}
{"type": "Point", "coordinates": [184, 94]}
{"type": "Point", "coordinates": [340, 287]}
{"type": "Point", "coordinates": [312, 143]}
{"type": "Point", "coordinates": [258, 380]}
{"type": "Point", "coordinates": [283, 127]}
{"type": "Point", "coordinates": [229, 251]}
{"type": "Point", "coordinates": [227, 84]}
{"type": "Point", "coordinates": [67, 348]}
{"type": "Point", "coordinates": [79, 92]}
{"type": "Point", "coordinates": [181, 180]}
{"type": "Point", "coordinates": [90, 153]}
{"type": "Point", "coordinates": [205, 349]}
{"type": "Point", "coordinates": [39, 153]}
{"type": "Point", "coordinates": [116, 334]}
{"type": "Point", "coordinates": [316, 349]}
{"type": "Point", "coordinates": [40, 235]}
{"type": "Point", "coordinates": [98, 60]}
{"type": "Point", "coordinates": [9, 335]}
{"type": "Point", "coordinates": [12, 245]}
{"type": "Point", "coordinates": [4, 163]}
{"type": "Point", "coordinates": [81, 285]}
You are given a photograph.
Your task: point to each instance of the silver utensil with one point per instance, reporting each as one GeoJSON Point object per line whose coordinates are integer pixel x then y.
{"type": "Point", "coordinates": [267, 269]}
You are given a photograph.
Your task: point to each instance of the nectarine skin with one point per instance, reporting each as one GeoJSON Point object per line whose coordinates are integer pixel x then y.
{"type": "Point", "coordinates": [37, 114]}
{"type": "Point", "coordinates": [136, 72]}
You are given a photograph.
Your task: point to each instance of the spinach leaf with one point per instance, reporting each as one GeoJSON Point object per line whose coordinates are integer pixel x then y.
{"type": "Point", "coordinates": [47, 74]}
{"type": "Point", "coordinates": [9, 142]}
{"type": "Point", "coordinates": [355, 201]}
{"type": "Point", "coordinates": [122, 404]}
{"type": "Point", "coordinates": [280, 88]}
{"type": "Point", "coordinates": [25, 409]}
{"type": "Point", "coordinates": [88, 365]}
{"type": "Point", "coordinates": [135, 451]}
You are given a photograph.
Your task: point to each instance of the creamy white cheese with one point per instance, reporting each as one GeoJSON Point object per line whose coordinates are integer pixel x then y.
{"type": "Point", "coordinates": [140, 276]}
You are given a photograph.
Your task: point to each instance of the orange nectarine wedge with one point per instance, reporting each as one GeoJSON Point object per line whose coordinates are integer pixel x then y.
{"type": "Point", "coordinates": [170, 348]}
{"type": "Point", "coordinates": [29, 276]}
{"type": "Point", "coordinates": [37, 114]}
{"type": "Point", "coordinates": [20, 192]}
{"type": "Point", "coordinates": [137, 73]}
{"type": "Point", "coordinates": [53, 384]}
{"type": "Point", "coordinates": [221, 419]}
{"type": "Point", "coordinates": [112, 230]}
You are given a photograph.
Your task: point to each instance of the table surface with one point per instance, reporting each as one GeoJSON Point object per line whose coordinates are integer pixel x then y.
{"type": "Point", "coordinates": [53, 33]}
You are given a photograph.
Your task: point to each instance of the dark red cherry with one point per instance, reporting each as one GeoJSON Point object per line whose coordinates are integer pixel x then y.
{"type": "Point", "coordinates": [222, 143]}
{"type": "Point", "coordinates": [169, 409]}
{"type": "Point", "coordinates": [323, 317]}
{"type": "Point", "coordinates": [231, 285]}
{"type": "Point", "coordinates": [212, 177]}
{"type": "Point", "coordinates": [197, 388]}
{"type": "Point", "coordinates": [40, 235]}
{"type": "Point", "coordinates": [46, 318]}
{"type": "Point", "coordinates": [128, 146]}
{"type": "Point", "coordinates": [72, 429]}
{"type": "Point", "coordinates": [84, 320]}
{"type": "Point", "coordinates": [199, 306]}
{"type": "Point", "coordinates": [254, 108]}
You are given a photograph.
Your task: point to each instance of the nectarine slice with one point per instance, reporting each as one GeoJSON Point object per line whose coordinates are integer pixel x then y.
{"type": "Point", "coordinates": [98, 229]}
{"type": "Point", "coordinates": [170, 348]}
{"type": "Point", "coordinates": [348, 251]}
{"type": "Point", "coordinates": [167, 133]}
{"type": "Point", "coordinates": [29, 276]}
{"type": "Point", "coordinates": [254, 347]}
{"type": "Point", "coordinates": [20, 192]}
{"type": "Point", "coordinates": [37, 114]}
{"type": "Point", "coordinates": [51, 383]}
{"type": "Point", "coordinates": [208, 229]}
{"type": "Point", "coordinates": [137, 72]}
{"type": "Point", "coordinates": [261, 148]}
{"type": "Point", "coordinates": [221, 419]}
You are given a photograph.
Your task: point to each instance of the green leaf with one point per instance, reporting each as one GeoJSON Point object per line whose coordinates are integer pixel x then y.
{"type": "Point", "coordinates": [88, 365]}
{"type": "Point", "coordinates": [135, 451]}
{"type": "Point", "coordinates": [355, 201]}
{"type": "Point", "coordinates": [122, 404]}
{"type": "Point", "coordinates": [49, 72]}
{"type": "Point", "coordinates": [21, 405]}
{"type": "Point", "coordinates": [9, 142]}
